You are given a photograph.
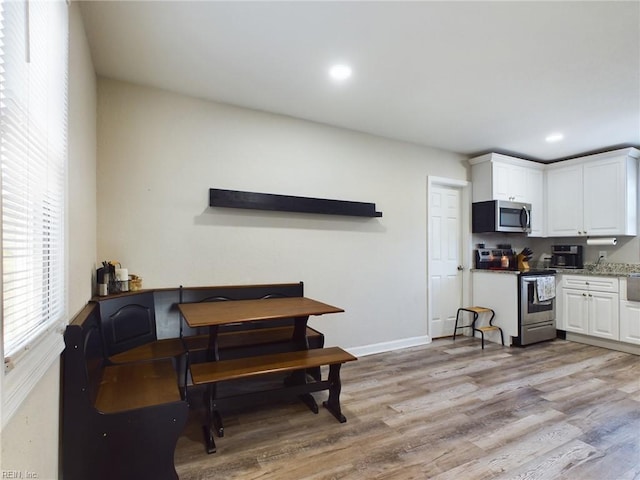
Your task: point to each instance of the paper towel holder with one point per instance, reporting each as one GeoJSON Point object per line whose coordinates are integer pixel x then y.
{"type": "Point", "coordinates": [603, 241]}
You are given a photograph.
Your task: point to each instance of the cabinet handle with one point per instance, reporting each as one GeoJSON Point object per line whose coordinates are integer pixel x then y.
{"type": "Point", "coordinates": [584, 294]}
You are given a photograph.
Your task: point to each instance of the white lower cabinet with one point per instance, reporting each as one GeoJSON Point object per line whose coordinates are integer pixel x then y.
{"type": "Point", "coordinates": [574, 311]}
{"type": "Point", "coordinates": [590, 306]}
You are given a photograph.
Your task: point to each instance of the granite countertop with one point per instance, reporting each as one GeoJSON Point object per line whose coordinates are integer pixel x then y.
{"type": "Point", "coordinates": [602, 270]}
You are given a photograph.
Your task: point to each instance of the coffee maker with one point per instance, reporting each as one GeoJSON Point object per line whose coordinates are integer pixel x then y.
{"type": "Point", "coordinates": [567, 256]}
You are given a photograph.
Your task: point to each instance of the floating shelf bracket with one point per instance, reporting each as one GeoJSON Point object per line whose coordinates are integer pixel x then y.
{"type": "Point", "coordinates": [288, 203]}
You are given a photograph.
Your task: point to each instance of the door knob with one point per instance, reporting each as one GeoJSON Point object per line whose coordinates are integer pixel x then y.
{"type": "Point", "coordinates": [460, 268]}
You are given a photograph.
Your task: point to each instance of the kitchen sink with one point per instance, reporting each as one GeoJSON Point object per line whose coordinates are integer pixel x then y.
{"type": "Point", "coordinates": [633, 287]}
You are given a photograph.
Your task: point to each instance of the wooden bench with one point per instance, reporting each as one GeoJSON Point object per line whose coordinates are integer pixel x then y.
{"type": "Point", "coordinates": [118, 421]}
{"type": "Point", "coordinates": [297, 362]}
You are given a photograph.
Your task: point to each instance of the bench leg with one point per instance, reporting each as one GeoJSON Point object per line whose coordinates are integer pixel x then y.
{"type": "Point", "coordinates": [333, 403]}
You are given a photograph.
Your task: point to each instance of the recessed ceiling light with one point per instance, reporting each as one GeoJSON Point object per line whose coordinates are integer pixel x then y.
{"type": "Point", "coordinates": [340, 72]}
{"type": "Point", "coordinates": [554, 137]}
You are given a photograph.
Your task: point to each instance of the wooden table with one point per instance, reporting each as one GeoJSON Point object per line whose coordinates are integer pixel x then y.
{"type": "Point", "coordinates": [214, 314]}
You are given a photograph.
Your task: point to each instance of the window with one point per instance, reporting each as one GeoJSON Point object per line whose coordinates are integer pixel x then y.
{"type": "Point", "coordinates": [33, 158]}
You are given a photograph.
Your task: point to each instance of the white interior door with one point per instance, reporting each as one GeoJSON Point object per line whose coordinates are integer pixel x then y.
{"type": "Point", "coordinates": [445, 258]}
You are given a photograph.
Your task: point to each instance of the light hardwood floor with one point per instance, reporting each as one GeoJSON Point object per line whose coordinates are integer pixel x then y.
{"type": "Point", "coordinates": [555, 410]}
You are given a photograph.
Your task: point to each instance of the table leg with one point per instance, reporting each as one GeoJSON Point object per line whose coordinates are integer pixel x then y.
{"type": "Point", "coordinates": [212, 351]}
{"type": "Point", "coordinates": [300, 333]}
{"type": "Point", "coordinates": [208, 428]}
{"type": "Point", "coordinates": [213, 420]}
{"type": "Point", "coordinates": [299, 377]}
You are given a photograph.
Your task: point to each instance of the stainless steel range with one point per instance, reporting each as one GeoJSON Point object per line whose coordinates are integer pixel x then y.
{"type": "Point", "coordinates": [537, 307]}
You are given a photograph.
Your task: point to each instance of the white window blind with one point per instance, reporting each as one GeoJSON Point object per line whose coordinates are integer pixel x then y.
{"type": "Point", "coordinates": [33, 151]}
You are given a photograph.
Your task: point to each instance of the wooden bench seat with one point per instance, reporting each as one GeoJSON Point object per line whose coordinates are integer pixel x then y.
{"type": "Point", "coordinates": [138, 385]}
{"type": "Point", "coordinates": [296, 362]}
{"type": "Point", "coordinates": [208, 372]}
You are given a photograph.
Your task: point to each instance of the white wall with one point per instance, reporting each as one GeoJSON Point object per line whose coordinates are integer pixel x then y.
{"type": "Point", "coordinates": [159, 153]}
{"type": "Point", "coordinates": [30, 440]}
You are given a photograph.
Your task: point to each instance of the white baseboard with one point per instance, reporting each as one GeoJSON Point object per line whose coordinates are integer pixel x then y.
{"type": "Point", "coordinates": [389, 346]}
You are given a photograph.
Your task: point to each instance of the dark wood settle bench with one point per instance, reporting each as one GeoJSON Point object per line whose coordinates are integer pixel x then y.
{"type": "Point", "coordinates": [127, 332]}
{"type": "Point", "coordinates": [118, 421]}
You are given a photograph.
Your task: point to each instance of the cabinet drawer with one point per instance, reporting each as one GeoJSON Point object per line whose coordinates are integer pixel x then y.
{"type": "Point", "coordinates": [598, 284]}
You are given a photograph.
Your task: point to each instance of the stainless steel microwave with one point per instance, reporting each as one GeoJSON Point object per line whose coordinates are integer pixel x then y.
{"type": "Point", "coordinates": [500, 216]}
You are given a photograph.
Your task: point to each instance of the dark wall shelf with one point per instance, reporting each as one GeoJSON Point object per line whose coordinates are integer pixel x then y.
{"type": "Point", "coordinates": [288, 203]}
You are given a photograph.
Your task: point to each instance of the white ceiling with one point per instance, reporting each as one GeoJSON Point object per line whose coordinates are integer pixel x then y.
{"type": "Point", "coordinates": [468, 77]}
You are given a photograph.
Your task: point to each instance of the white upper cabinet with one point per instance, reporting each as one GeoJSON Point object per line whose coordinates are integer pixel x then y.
{"type": "Point", "coordinates": [509, 182]}
{"type": "Point", "coordinates": [594, 195]}
{"type": "Point", "coordinates": [499, 177]}
{"type": "Point", "coordinates": [564, 202]}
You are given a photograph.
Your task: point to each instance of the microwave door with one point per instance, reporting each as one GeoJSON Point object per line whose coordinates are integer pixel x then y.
{"type": "Point", "coordinates": [512, 219]}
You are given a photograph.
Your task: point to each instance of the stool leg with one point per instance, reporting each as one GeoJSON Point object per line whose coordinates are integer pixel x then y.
{"type": "Point", "coordinates": [455, 328]}
{"type": "Point", "coordinates": [474, 329]}
{"type": "Point", "coordinates": [493, 314]}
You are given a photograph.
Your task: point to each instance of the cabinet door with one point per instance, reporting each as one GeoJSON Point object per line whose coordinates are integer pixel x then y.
{"type": "Point", "coordinates": [535, 196]}
{"type": "Point", "coordinates": [604, 197]}
{"type": "Point", "coordinates": [575, 310]}
{"type": "Point", "coordinates": [603, 315]}
{"type": "Point", "coordinates": [630, 322]}
{"type": "Point", "coordinates": [509, 182]}
{"type": "Point", "coordinates": [564, 202]}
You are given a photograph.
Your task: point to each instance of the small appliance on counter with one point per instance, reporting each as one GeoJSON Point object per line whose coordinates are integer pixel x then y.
{"type": "Point", "coordinates": [495, 258]}
{"type": "Point", "coordinates": [567, 256]}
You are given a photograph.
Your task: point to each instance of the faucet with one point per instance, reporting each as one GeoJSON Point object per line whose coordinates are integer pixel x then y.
{"type": "Point", "coordinates": [598, 261]}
